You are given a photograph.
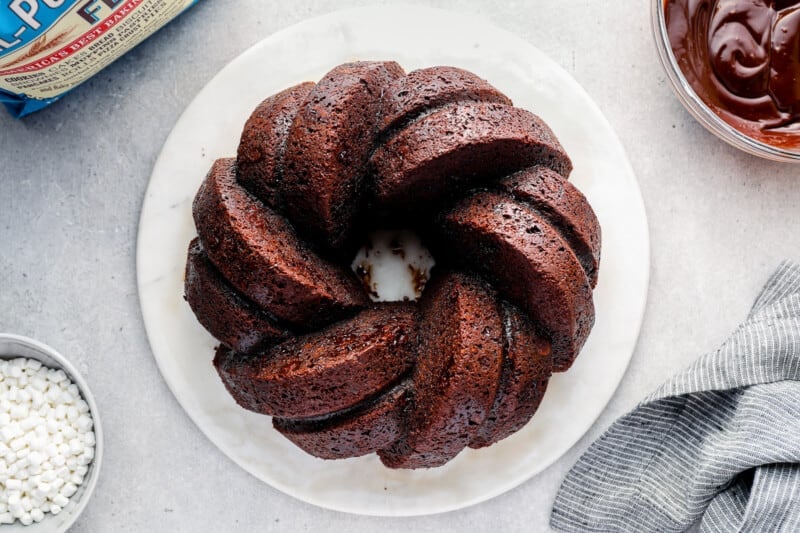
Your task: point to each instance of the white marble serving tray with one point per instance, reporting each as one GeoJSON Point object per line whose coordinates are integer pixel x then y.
{"type": "Point", "coordinates": [415, 37]}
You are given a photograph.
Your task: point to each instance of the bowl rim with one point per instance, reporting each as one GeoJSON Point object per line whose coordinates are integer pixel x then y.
{"type": "Point", "coordinates": [76, 377]}
{"type": "Point", "coordinates": [697, 107]}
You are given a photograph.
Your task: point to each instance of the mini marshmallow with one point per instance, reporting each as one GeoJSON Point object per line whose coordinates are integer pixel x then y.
{"type": "Point", "coordinates": [37, 399]}
{"type": "Point", "coordinates": [19, 411]}
{"type": "Point", "coordinates": [10, 431]}
{"type": "Point", "coordinates": [69, 432]}
{"type": "Point", "coordinates": [39, 494]}
{"type": "Point", "coordinates": [37, 515]}
{"type": "Point", "coordinates": [35, 459]}
{"type": "Point", "coordinates": [52, 395]}
{"type": "Point", "coordinates": [38, 384]}
{"type": "Point", "coordinates": [61, 411]}
{"type": "Point", "coordinates": [84, 423]}
{"type": "Point", "coordinates": [75, 447]}
{"type": "Point", "coordinates": [27, 422]}
{"type": "Point", "coordinates": [68, 490]}
{"type": "Point", "coordinates": [16, 510]}
{"type": "Point", "coordinates": [56, 377]}
{"type": "Point", "coordinates": [38, 443]}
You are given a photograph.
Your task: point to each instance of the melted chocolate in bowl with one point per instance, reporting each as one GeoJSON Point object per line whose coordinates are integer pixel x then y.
{"type": "Point", "coordinates": [742, 58]}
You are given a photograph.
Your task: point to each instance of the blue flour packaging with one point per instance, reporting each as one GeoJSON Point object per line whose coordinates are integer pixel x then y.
{"type": "Point", "coordinates": [48, 47]}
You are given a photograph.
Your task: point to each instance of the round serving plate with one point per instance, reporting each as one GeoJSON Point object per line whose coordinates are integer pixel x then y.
{"type": "Point", "coordinates": [415, 37]}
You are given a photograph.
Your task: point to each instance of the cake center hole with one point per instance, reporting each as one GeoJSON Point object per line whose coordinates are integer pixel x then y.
{"type": "Point", "coordinates": [393, 265]}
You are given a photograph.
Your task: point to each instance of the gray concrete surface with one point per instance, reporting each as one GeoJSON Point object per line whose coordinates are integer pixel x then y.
{"type": "Point", "coordinates": [72, 179]}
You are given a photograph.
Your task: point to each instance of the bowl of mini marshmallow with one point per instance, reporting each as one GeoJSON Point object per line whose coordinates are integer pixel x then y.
{"type": "Point", "coordinates": [51, 443]}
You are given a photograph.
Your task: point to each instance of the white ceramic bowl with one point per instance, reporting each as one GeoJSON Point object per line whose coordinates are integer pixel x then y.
{"type": "Point", "coordinates": [14, 346]}
{"type": "Point", "coordinates": [697, 107]}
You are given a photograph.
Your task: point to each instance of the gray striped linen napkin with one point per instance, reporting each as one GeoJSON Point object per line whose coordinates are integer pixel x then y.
{"type": "Point", "coordinates": [718, 443]}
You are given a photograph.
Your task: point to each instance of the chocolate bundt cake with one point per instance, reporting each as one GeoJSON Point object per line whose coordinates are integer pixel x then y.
{"type": "Point", "coordinates": [509, 302]}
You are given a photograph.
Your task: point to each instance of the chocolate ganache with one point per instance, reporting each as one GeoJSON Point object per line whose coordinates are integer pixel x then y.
{"type": "Point", "coordinates": [742, 58]}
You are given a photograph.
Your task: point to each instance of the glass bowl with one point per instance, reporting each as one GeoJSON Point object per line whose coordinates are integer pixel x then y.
{"type": "Point", "coordinates": [14, 346]}
{"type": "Point", "coordinates": [695, 105]}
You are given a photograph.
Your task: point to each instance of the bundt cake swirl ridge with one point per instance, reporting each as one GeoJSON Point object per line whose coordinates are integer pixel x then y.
{"type": "Point", "coordinates": [260, 155]}
{"type": "Point", "coordinates": [457, 372]}
{"type": "Point", "coordinates": [223, 312]}
{"type": "Point", "coordinates": [459, 146]}
{"type": "Point", "coordinates": [527, 261]}
{"type": "Point", "coordinates": [326, 371]}
{"type": "Point", "coordinates": [564, 207]}
{"type": "Point", "coordinates": [423, 91]}
{"type": "Point", "coordinates": [370, 426]}
{"type": "Point", "coordinates": [527, 365]}
{"type": "Point", "coordinates": [328, 146]}
{"type": "Point", "coordinates": [260, 254]}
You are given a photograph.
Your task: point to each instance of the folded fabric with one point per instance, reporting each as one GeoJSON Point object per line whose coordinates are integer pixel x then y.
{"type": "Point", "coordinates": [719, 443]}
